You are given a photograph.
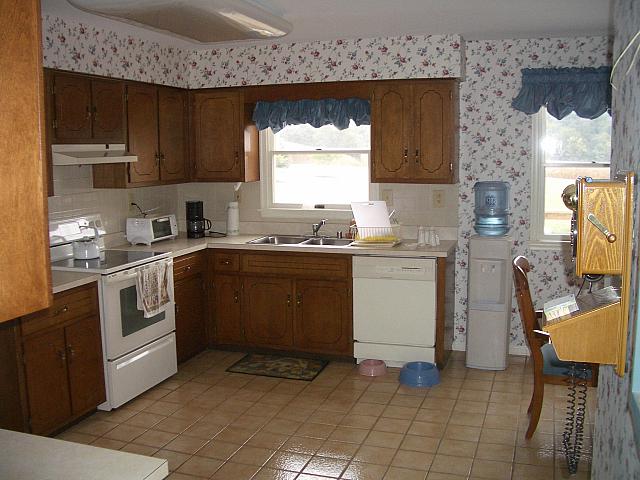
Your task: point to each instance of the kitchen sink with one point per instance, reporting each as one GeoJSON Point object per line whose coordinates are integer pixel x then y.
{"type": "Point", "coordinates": [336, 242]}
{"type": "Point", "coordinates": [278, 240]}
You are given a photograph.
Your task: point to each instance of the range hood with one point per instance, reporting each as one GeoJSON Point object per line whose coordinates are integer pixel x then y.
{"type": "Point", "coordinates": [91, 154]}
{"type": "Point", "coordinates": [204, 21]}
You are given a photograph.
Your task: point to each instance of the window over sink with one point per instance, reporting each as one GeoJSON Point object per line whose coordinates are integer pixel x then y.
{"type": "Point", "coordinates": [307, 171]}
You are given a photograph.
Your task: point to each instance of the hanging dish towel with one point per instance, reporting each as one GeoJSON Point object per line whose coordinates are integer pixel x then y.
{"type": "Point", "coordinates": [154, 287]}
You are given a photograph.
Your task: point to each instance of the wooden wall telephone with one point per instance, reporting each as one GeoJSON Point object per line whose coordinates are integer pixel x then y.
{"type": "Point", "coordinates": [601, 237]}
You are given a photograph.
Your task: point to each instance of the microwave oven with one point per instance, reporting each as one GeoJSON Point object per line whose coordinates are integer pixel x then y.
{"type": "Point", "coordinates": [151, 229]}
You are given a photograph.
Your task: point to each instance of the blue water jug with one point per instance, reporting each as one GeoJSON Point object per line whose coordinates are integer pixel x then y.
{"type": "Point", "coordinates": [491, 208]}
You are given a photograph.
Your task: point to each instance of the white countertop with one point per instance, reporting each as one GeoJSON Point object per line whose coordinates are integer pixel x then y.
{"type": "Point", "coordinates": [182, 245]}
{"type": "Point", "coordinates": [30, 457]}
{"type": "Point", "coordinates": [66, 280]}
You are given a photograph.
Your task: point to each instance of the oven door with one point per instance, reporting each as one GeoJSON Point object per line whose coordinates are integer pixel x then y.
{"type": "Point", "coordinates": [124, 326]}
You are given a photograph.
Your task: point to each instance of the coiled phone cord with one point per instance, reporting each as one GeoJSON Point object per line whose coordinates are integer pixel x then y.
{"type": "Point", "coordinates": [572, 438]}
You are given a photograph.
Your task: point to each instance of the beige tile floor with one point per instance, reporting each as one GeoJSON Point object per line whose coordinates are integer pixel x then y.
{"type": "Point", "coordinates": [213, 424]}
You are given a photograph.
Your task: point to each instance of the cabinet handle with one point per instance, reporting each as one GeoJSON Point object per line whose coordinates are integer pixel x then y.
{"type": "Point", "coordinates": [157, 157]}
{"type": "Point", "coordinates": [288, 300]}
{"type": "Point", "coordinates": [417, 156]}
{"type": "Point", "coordinates": [62, 356]}
{"type": "Point", "coordinates": [64, 309]}
{"type": "Point", "coordinates": [226, 262]}
{"type": "Point", "coordinates": [188, 267]}
{"type": "Point", "coordinates": [88, 113]}
{"type": "Point", "coordinates": [177, 308]}
{"type": "Point", "coordinates": [299, 300]}
{"type": "Point", "coordinates": [236, 296]}
{"type": "Point", "coordinates": [406, 155]}
{"type": "Point", "coordinates": [95, 112]}
{"type": "Point", "coordinates": [236, 157]}
{"type": "Point", "coordinates": [72, 352]}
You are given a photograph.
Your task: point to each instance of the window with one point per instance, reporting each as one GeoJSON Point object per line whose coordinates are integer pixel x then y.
{"type": "Point", "coordinates": [307, 169]}
{"type": "Point", "coordinates": [563, 150]}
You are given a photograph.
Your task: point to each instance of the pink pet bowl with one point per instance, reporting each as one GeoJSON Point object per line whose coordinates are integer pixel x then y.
{"type": "Point", "coordinates": [372, 368]}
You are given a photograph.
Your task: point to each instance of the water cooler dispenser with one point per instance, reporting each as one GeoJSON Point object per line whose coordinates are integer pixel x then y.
{"type": "Point", "coordinates": [490, 281]}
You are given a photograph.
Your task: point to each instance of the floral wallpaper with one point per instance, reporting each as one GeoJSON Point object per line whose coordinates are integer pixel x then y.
{"type": "Point", "coordinates": [615, 451]}
{"type": "Point", "coordinates": [82, 48]}
{"type": "Point", "coordinates": [495, 144]}
{"type": "Point", "coordinates": [410, 56]}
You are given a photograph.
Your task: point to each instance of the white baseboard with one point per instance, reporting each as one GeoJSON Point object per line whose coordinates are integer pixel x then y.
{"type": "Point", "coordinates": [519, 350]}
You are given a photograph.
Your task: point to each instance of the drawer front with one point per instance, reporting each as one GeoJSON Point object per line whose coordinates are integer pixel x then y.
{"type": "Point", "coordinates": [300, 265]}
{"type": "Point", "coordinates": [226, 261]}
{"type": "Point", "coordinates": [69, 305]}
{"type": "Point", "coordinates": [188, 265]}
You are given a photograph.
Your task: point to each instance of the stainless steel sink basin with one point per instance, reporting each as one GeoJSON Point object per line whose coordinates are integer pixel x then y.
{"type": "Point", "coordinates": [278, 240]}
{"type": "Point", "coordinates": [336, 242]}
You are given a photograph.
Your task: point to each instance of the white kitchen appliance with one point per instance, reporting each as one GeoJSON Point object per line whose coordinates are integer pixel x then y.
{"type": "Point", "coordinates": [139, 352]}
{"type": "Point", "coordinates": [489, 302]}
{"type": "Point", "coordinates": [394, 309]}
{"type": "Point", "coordinates": [147, 230]}
{"type": "Point", "coordinates": [87, 247]}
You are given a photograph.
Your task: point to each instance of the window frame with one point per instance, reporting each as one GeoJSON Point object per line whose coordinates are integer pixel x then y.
{"type": "Point", "coordinates": [538, 240]}
{"type": "Point", "coordinates": [268, 208]}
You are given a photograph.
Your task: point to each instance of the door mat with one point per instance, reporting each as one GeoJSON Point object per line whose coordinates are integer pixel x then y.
{"type": "Point", "coordinates": [280, 367]}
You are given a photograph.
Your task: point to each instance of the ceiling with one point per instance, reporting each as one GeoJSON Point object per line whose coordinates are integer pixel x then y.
{"type": "Point", "coordinates": [473, 19]}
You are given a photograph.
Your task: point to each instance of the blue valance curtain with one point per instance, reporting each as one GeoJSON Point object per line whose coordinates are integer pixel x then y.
{"type": "Point", "coordinates": [326, 111]}
{"type": "Point", "coordinates": [585, 91]}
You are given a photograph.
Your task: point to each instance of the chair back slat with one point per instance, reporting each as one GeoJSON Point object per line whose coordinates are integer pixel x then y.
{"type": "Point", "coordinates": [527, 313]}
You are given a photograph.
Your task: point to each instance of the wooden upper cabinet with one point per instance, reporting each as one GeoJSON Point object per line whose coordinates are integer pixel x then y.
{"type": "Point", "coordinates": [72, 105]}
{"type": "Point", "coordinates": [86, 109]}
{"type": "Point", "coordinates": [108, 110]}
{"type": "Point", "coordinates": [414, 131]}
{"type": "Point", "coordinates": [224, 141]}
{"type": "Point", "coordinates": [172, 134]}
{"type": "Point", "coordinates": [391, 124]}
{"type": "Point", "coordinates": [142, 122]}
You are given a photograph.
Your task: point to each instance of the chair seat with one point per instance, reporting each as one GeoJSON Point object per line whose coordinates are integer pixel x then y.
{"type": "Point", "coordinates": [552, 365]}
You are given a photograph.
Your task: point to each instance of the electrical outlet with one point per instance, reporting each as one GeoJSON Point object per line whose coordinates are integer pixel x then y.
{"type": "Point", "coordinates": [437, 198]}
{"type": "Point", "coordinates": [130, 200]}
{"type": "Point", "coordinates": [387, 196]}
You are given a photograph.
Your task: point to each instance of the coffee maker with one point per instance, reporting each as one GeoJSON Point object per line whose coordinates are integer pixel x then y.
{"type": "Point", "coordinates": [197, 225]}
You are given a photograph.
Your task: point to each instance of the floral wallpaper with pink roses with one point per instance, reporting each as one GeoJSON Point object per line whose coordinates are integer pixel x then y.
{"type": "Point", "coordinates": [615, 450]}
{"type": "Point", "coordinates": [409, 56]}
{"type": "Point", "coordinates": [82, 48]}
{"type": "Point", "coordinates": [495, 144]}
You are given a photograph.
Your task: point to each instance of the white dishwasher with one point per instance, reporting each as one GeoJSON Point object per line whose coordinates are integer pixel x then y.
{"type": "Point", "coordinates": [394, 309]}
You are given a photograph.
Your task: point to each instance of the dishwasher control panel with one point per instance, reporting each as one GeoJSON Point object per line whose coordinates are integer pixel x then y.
{"type": "Point", "coordinates": [399, 268]}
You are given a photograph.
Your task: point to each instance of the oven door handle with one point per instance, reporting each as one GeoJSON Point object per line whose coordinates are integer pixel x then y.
{"type": "Point", "coordinates": [120, 277]}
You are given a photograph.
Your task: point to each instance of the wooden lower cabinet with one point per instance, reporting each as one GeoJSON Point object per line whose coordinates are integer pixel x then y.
{"type": "Point", "coordinates": [285, 301]}
{"type": "Point", "coordinates": [62, 357]}
{"type": "Point", "coordinates": [226, 293]}
{"type": "Point", "coordinates": [323, 316]}
{"type": "Point", "coordinates": [47, 385]}
{"type": "Point", "coordinates": [191, 307]}
{"type": "Point", "coordinates": [267, 310]}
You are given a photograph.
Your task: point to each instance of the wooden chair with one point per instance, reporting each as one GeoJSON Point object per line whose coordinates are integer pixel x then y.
{"type": "Point", "coordinates": [547, 368]}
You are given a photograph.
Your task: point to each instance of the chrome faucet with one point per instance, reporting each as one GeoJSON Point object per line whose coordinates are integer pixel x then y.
{"type": "Point", "coordinates": [317, 226]}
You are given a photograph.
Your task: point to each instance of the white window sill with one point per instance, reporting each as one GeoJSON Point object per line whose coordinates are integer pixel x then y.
{"type": "Point", "coordinates": [556, 245]}
{"type": "Point", "coordinates": [307, 214]}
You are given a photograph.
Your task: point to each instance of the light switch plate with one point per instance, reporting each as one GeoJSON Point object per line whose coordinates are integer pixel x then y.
{"type": "Point", "coordinates": [437, 198]}
{"type": "Point", "coordinates": [387, 196]}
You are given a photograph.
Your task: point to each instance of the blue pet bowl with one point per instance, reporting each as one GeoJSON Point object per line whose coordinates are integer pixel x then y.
{"type": "Point", "coordinates": [419, 374]}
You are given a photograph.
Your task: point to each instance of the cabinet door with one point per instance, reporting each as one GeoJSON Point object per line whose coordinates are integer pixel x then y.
{"type": "Point", "coordinates": [46, 378]}
{"type": "Point", "coordinates": [433, 131]}
{"type": "Point", "coordinates": [72, 106]}
{"type": "Point", "coordinates": [172, 134]}
{"type": "Point", "coordinates": [191, 331]}
{"type": "Point", "coordinates": [108, 110]}
{"type": "Point", "coordinates": [217, 134]}
{"type": "Point", "coordinates": [142, 126]}
{"type": "Point", "coordinates": [267, 306]}
{"type": "Point", "coordinates": [85, 364]}
{"type": "Point", "coordinates": [323, 316]}
{"type": "Point", "coordinates": [228, 311]}
{"type": "Point", "coordinates": [390, 128]}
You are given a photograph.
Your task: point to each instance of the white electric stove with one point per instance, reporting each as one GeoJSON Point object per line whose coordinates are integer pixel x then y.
{"type": "Point", "coordinates": [139, 352]}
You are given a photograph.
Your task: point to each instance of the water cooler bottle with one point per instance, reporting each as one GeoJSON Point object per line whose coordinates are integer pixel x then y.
{"type": "Point", "coordinates": [489, 302]}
